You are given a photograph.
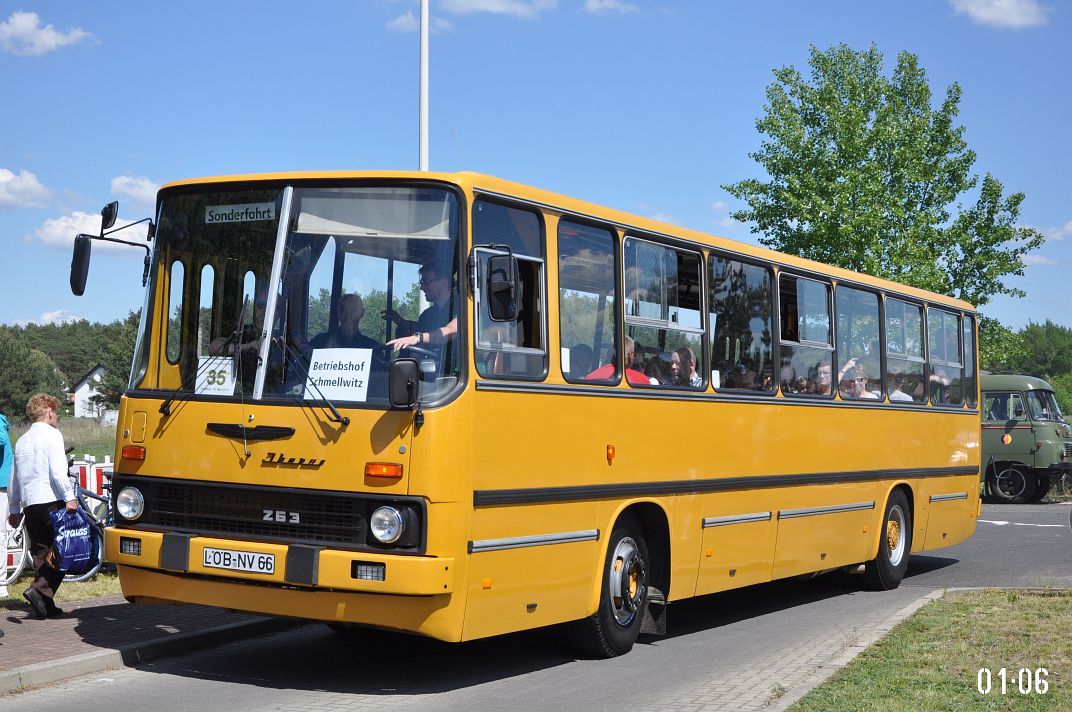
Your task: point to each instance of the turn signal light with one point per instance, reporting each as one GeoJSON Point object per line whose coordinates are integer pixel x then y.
{"type": "Point", "coordinates": [388, 470]}
{"type": "Point", "coordinates": [133, 452]}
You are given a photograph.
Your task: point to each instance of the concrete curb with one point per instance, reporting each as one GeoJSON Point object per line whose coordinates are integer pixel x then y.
{"type": "Point", "coordinates": [51, 671]}
{"type": "Point", "coordinates": [820, 675]}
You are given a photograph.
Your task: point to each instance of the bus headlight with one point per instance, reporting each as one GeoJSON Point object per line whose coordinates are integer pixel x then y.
{"type": "Point", "coordinates": [130, 503]}
{"type": "Point", "coordinates": [387, 525]}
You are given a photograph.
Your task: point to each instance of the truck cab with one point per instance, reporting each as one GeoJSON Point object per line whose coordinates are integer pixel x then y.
{"type": "Point", "coordinates": [1027, 443]}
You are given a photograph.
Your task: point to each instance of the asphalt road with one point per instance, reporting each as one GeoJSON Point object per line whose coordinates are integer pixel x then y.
{"type": "Point", "coordinates": [727, 651]}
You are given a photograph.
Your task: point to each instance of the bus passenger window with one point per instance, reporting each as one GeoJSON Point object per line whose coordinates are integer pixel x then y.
{"type": "Point", "coordinates": [859, 354]}
{"type": "Point", "coordinates": [806, 347]}
{"type": "Point", "coordinates": [904, 352]}
{"type": "Point", "coordinates": [971, 383]}
{"type": "Point", "coordinates": [662, 316]}
{"type": "Point", "coordinates": [517, 349]}
{"type": "Point", "coordinates": [740, 319]}
{"type": "Point", "coordinates": [943, 340]}
{"type": "Point", "coordinates": [586, 303]}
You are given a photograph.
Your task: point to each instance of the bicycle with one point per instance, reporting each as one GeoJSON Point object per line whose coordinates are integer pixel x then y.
{"type": "Point", "coordinates": [16, 555]}
{"type": "Point", "coordinates": [101, 516]}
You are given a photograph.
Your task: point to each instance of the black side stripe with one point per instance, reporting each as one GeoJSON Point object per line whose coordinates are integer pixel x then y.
{"type": "Point", "coordinates": [535, 495]}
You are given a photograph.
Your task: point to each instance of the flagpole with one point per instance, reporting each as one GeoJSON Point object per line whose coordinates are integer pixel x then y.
{"type": "Point", "coordinates": [423, 109]}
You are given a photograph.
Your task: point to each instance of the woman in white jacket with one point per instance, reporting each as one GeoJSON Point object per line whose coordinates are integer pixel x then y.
{"type": "Point", "coordinates": [38, 487]}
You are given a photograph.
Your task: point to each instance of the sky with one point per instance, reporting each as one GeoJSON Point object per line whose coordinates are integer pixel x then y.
{"type": "Point", "coordinates": [647, 106]}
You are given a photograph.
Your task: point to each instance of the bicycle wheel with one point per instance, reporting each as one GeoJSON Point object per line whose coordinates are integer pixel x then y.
{"type": "Point", "coordinates": [16, 555]}
{"type": "Point", "coordinates": [91, 572]}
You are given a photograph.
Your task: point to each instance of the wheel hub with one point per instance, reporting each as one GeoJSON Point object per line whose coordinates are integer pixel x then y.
{"type": "Point", "coordinates": [627, 579]}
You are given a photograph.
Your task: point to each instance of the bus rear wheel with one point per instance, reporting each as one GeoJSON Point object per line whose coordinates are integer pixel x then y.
{"type": "Point", "coordinates": [1011, 483]}
{"type": "Point", "coordinates": [614, 627]}
{"type": "Point", "coordinates": [886, 570]}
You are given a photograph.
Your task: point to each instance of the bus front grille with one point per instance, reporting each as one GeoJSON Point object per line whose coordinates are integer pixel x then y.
{"type": "Point", "coordinates": [337, 519]}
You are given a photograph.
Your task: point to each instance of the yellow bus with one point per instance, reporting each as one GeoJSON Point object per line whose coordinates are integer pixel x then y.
{"type": "Point", "coordinates": [534, 411]}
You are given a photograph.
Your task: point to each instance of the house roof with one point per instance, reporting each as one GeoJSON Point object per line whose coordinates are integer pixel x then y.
{"type": "Point", "coordinates": [78, 384]}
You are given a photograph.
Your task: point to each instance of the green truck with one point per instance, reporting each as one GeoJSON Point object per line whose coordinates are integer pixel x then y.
{"type": "Point", "coordinates": [1027, 444]}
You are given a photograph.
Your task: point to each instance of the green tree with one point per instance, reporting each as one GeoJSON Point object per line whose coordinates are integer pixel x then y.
{"type": "Point", "coordinates": [23, 372]}
{"type": "Point", "coordinates": [866, 174]}
{"type": "Point", "coordinates": [116, 359]}
{"type": "Point", "coordinates": [1001, 350]}
{"type": "Point", "coordinates": [1047, 350]}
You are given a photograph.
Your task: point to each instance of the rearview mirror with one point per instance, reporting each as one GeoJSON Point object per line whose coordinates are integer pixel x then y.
{"type": "Point", "coordinates": [403, 382]}
{"type": "Point", "coordinates": [107, 215]}
{"type": "Point", "coordinates": [503, 287]}
{"type": "Point", "coordinates": [83, 246]}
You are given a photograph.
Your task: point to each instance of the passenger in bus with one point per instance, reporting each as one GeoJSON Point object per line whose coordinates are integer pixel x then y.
{"type": "Point", "coordinates": [348, 334]}
{"type": "Point", "coordinates": [897, 383]}
{"type": "Point", "coordinates": [436, 325]}
{"type": "Point", "coordinates": [685, 372]}
{"type": "Point", "coordinates": [854, 384]}
{"type": "Point", "coordinates": [581, 359]}
{"type": "Point", "coordinates": [823, 382]}
{"type": "Point", "coordinates": [607, 370]}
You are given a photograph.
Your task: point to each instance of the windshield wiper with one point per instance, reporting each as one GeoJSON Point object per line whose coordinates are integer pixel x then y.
{"type": "Point", "coordinates": [234, 338]}
{"type": "Point", "coordinates": [294, 359]}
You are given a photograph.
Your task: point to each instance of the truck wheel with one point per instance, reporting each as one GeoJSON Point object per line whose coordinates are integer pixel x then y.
{"type": "Point", "coordinates": [614, 627]}
{"type": "Point", "coordinates": [1011, 483]}
{"type": "Point", "coordinates": [886, 570]}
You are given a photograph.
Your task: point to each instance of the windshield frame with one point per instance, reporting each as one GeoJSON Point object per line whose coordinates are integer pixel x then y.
{"type": "Point", "coordinates": [153, 345]}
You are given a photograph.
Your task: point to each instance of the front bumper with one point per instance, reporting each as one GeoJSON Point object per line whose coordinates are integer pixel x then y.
{"type": "Point", "coordinates": [295, 565]}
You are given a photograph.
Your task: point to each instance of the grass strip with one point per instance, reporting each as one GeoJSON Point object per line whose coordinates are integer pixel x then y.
{"type": "Point", "coordinates": [932, 660]}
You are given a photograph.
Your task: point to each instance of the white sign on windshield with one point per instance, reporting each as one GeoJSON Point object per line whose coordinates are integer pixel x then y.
{"type": "Point", "coordinates": [215, 376]}
{"type": "Point", "coordinates": [340, 374]}
{"type": "Point", "coordinates": [246, 212]}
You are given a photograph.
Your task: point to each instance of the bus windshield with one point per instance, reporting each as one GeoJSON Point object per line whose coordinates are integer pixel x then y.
{"type": "Point", "coordinates": [356, 268]}
{"type": "Point", "coordinates": [1043, 405]}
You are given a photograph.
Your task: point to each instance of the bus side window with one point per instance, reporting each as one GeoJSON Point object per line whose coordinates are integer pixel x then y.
{"type": "Point", "coordinates": [662, 315]}
{"type": "Point", "coordinates": [517, 349]}
{"type": "Point", "coordinates": [806, 347]}
{"type": "Point", "coordinates": [587, 303]}
{"type": "Point", "coordinates": [742, 302]}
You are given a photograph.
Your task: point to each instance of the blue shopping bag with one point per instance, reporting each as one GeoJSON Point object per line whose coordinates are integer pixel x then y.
{"type": "Point", "coordinates": [75, 542]}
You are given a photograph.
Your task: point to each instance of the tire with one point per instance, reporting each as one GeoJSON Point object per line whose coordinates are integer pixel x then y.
{"type": "Point", "coordinates": [886, 570]}
{"type": "Point", "coordinates": [16, 553]}
{"type": "Point", "coordinates": [1011, 483]}
{"type": "Point", "coordinates": [614, 627]}
{"type": "Point", "coordinates": [1042, 487]}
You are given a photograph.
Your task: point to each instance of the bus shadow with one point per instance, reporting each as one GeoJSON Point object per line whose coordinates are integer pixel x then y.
{"type": "Point", "coordinates": [372, 662]}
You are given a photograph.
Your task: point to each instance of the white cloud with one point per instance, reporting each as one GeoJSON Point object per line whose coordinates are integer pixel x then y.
{"type": "Point", "coordinates": [524, 9]}
{"type": "Point", "coordinates": [602, 7]}
{"type": "Point", "coordinates": [1014, 14]}
{"type": "Point", "coordinates": [1037, 260]}
{"type": "Point", "coordinates": [58, 316]}
{"type": "Point", "coordinates": [59, 233]}
{"type": "Point", "coordinates": [719, 206]}
{"type": "Point", "coordinates": [1058, 233]}
{"type": "Point", "coordinates": [23, 35]}
{"type": "Point", "coordinates": [138, 189]}
{"type": "Point", "coordinates": [409, 23]}
{"type": "Point", "coordinates": [21, 191]}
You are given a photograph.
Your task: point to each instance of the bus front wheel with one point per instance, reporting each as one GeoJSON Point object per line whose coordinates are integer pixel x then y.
{"type": "Point", "coordinates": [886, 570]}
{"type": "Point", "coordinates": [614, 627]}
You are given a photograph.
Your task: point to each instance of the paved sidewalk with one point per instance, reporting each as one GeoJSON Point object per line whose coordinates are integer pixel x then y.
{"type": "Point", "coordinates": [108, 632]}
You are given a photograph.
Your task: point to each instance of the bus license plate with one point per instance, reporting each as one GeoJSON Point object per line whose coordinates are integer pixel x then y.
{"type": "Point", "coordinates": [239, 561]}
